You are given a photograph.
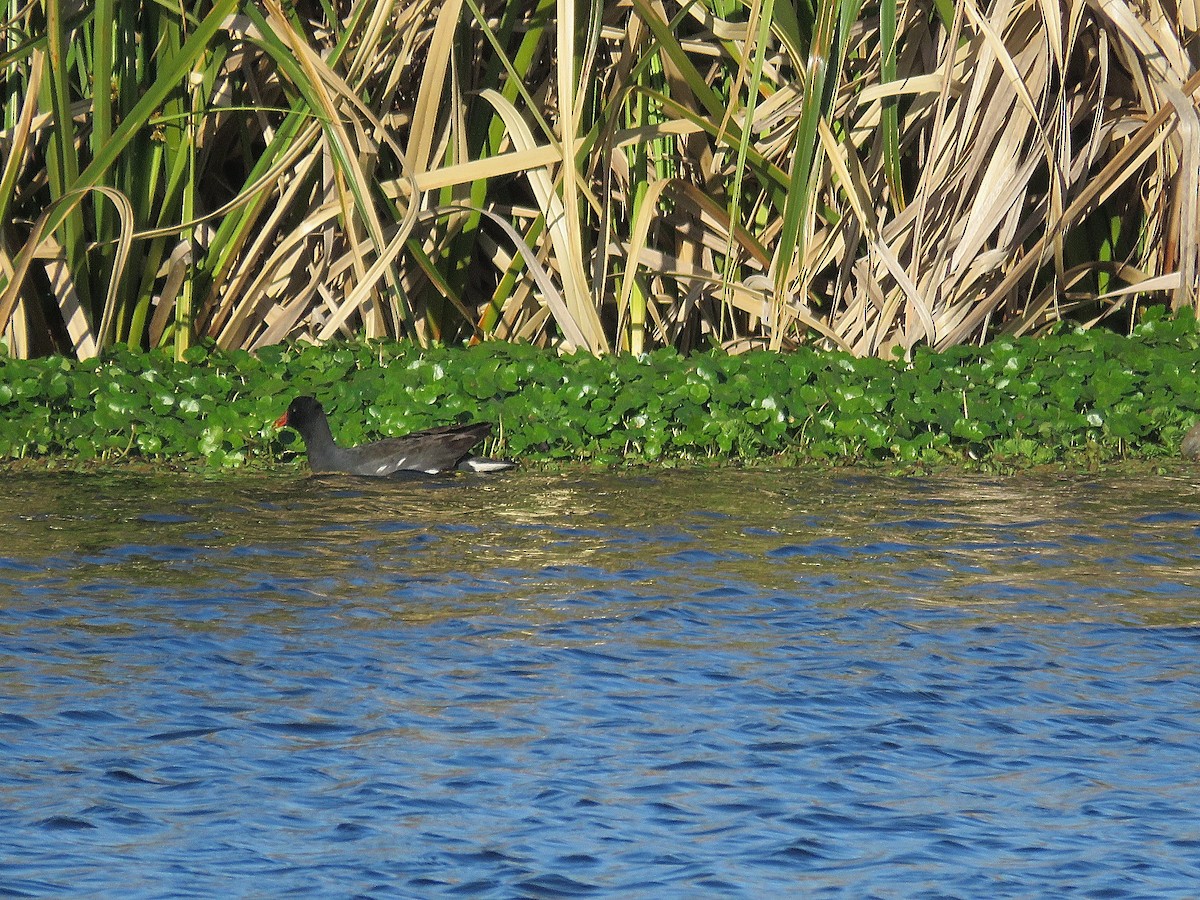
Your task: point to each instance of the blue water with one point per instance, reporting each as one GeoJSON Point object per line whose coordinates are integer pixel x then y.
{"type": "Point", "coordinates": [679, 684]}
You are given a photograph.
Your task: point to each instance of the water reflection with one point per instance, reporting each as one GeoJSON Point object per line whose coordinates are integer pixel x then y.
{"type": "Point", "coordinates": [736, 683]}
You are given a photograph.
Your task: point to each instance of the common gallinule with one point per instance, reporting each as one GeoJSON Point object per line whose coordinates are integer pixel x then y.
{"type": "Point", "coordinates": [432, 451]}
{"type": "Point", "coordinates": [1190, 447]}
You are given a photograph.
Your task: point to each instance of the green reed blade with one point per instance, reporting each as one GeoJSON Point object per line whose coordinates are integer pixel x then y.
{"type": "Point", "coordinates": [890, 122]}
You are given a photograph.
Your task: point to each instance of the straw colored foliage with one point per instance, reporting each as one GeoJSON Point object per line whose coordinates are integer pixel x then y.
{"type": "Point", "coordinates": [605, 176]}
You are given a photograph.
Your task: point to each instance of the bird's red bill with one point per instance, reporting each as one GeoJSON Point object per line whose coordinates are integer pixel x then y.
{"type": "Point", "coordinates": [281, 422]}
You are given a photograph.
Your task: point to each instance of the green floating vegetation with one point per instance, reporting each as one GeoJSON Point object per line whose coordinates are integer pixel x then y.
{"type": "Point", "coordinates": [1074, 396]}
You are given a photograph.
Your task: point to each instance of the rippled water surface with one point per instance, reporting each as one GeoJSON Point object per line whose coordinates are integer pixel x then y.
{"type": "Point", "coordinates": [677, 684]}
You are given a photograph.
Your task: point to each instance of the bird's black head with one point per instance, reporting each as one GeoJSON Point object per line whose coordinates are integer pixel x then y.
{"type": "Point", "coordinates": [300, 410]}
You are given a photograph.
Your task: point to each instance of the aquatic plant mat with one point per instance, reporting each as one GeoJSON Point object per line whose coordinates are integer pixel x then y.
{"type": "Point", "coordinates": [1076, 396]}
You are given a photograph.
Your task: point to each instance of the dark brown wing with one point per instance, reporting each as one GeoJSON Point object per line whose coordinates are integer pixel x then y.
{"type": "Point", "coordinates": [430, 451]}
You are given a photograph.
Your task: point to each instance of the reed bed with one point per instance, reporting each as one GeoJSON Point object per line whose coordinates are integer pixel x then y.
{"type": "Point", "coordinates": [604, 176]}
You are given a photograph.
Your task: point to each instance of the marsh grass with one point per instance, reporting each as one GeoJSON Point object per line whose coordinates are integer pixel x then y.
{"type": "Point", "coordinates": [607, 176]}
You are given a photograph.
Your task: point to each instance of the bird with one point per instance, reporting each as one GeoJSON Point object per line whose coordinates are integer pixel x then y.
{"type": "Point", "coordinates": [432, 451]}
{"type": "Point", "coordinates": [1189, 448]}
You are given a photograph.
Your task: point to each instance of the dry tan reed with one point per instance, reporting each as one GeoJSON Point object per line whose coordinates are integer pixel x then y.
{"type": "Point", "coordinates": [621, 176]}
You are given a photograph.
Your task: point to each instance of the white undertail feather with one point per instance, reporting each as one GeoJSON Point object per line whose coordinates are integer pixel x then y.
{"type": "Point", "coordinates": [481, 464]}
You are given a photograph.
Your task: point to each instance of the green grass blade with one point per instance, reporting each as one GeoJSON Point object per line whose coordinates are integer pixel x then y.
{"type": "Point", "coordinates": [824, 64]}
{"type": "Point", "coordinates": [62, 160]}
{"type": "Point", "coordinates": [890, 123]}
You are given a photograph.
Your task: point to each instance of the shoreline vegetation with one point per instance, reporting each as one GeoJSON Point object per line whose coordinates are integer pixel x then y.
{"type": "Point", "coordinates": [1075, 397]}
{"type": "Point", "coordinates": [649, 232]}
{"type": "Point", "coordinates": [601, 177]}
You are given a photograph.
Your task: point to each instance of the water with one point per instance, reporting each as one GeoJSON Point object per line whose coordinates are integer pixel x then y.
{"type": "Point", "coordinates": [678, 684]}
